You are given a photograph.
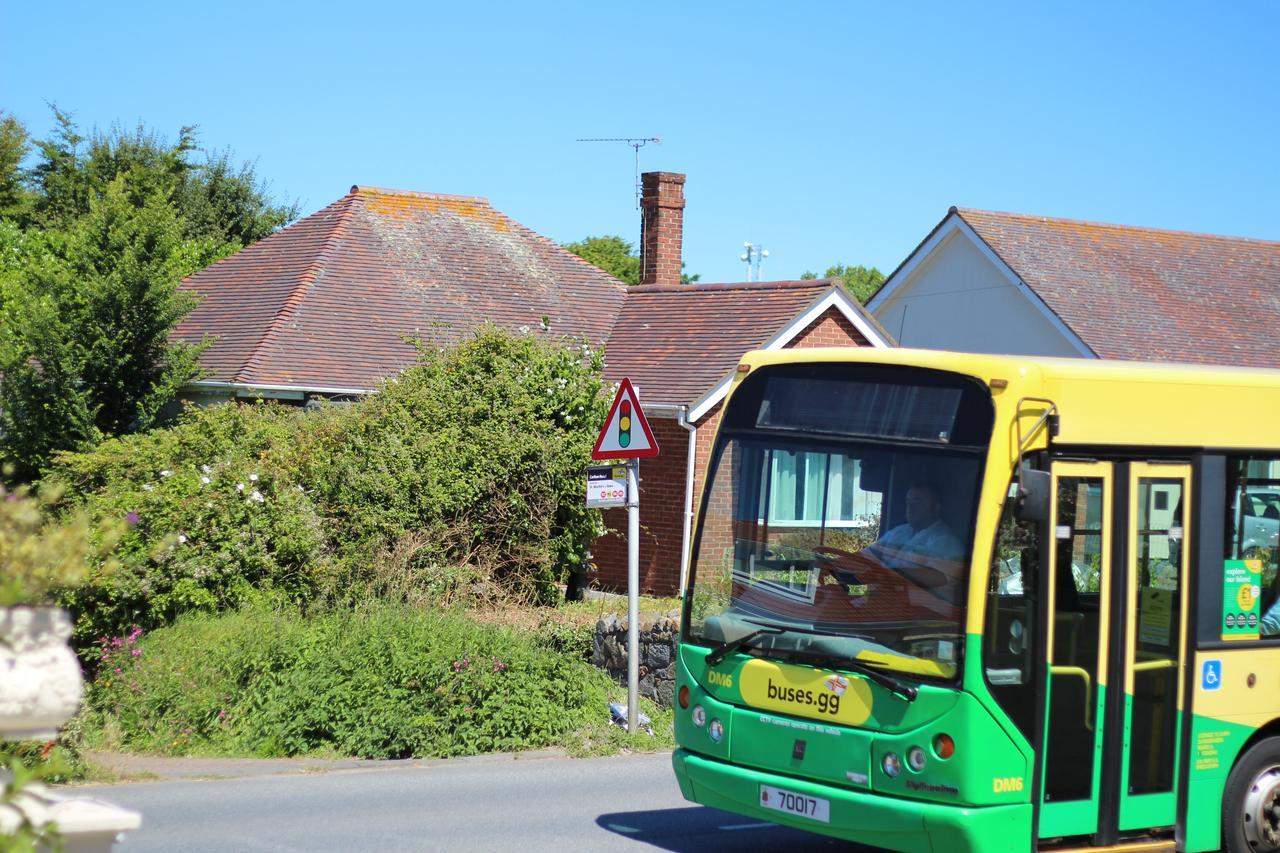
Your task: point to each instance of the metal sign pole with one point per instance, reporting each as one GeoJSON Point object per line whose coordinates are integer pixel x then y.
{"type": "Point", "coordinates": [633, 596]}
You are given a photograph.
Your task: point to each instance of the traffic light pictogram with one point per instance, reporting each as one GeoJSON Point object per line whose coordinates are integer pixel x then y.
{"type": "Point", "coordinates": [624, 424]}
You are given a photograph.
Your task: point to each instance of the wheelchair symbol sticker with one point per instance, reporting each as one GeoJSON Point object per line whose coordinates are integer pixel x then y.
{"type": "Point", "coordinates": [1211, 675]}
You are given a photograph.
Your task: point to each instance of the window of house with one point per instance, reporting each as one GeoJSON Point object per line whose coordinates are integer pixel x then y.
{"type": "Point", "coordinates": [807, 489]}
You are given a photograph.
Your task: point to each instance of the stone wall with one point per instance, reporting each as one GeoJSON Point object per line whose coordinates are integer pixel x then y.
{"type": "Point", "coordinates": [658, 641]}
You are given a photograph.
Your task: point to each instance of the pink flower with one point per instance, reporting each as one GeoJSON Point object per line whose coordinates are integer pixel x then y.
{"type": "Point", "coordinates": [117, 670]}
{"type": "Point", "coordinates": [135, 652]}
{"type": "Point", "coordinates": [131, 518]}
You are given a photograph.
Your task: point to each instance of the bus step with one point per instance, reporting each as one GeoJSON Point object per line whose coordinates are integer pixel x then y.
{"type": "Point", "coordinates": [1157, 845]}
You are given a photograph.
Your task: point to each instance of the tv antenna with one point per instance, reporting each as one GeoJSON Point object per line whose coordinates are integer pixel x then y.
{"type": "Point", "coordinates": [635, 143]}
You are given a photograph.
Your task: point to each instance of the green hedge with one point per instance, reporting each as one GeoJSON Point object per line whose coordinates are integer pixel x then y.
{"type": "Point", "coordinates": [383, 682]}
{"type": "Point", "coordinates": [459, 480]}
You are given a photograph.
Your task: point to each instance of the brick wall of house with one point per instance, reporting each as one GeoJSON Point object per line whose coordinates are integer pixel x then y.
{"type": "Point", "coordinates": [662, 485]}
{"type": "Point", "coordinates": [832, 329]}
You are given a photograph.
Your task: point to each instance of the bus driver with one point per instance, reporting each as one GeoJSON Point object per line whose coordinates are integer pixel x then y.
{"type": "Point", "coordinates": [924, 535]}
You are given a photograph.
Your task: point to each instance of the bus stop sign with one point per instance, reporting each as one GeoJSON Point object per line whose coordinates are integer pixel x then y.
{"type": "Point", "coordinates": [626, 433]}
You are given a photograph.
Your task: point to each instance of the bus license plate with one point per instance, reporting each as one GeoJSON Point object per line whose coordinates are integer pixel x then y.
{"type": "Point", "coordinates": [789, 802]}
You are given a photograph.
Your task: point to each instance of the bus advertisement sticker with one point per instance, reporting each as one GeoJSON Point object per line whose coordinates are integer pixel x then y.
{"type": "Point", "coordinates": [1240, 599]}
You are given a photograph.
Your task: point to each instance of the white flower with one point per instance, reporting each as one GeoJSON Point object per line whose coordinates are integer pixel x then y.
{"type": "Point", "coordinates": [205, 480]}
{"type": "Point", "coordinates": [182, 539]}
{"type": "Point", "coordinates": [256, 497]}
{"type": "Point", "coordinates": [239, 487]}
{"type": "Point", "coordinates": [253, 478]}
{"type": "Point", "coordinates": [206, 469]}
{"type": "Point", "coordinates": [299, 488]}
{"type": "Point", "coordinates": [166, 473]}
{"type": "Point", "coordinates": [524, 330]}
{"type": "Point", "coordinates": [147, 487]}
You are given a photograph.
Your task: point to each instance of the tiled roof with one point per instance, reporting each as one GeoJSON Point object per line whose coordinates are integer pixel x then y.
{"type": "Point", "coordinates": [677, 342]}
{"type": "Point", "coordinates": [1143, 294]}
{"type": "Point", "coordinates": [328, 301]}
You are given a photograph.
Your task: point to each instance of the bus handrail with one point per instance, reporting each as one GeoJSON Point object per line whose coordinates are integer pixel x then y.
{"type": "Point", "coordinates": [1147, 665]}
{"type": "Point", "coordinates": [1050, 412]}
{"type": "Point", "coordinates": [1082, 673]}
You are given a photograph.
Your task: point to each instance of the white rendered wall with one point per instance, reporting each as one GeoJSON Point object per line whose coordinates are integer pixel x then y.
{"type": "Point", "coordinates": [957, 299]}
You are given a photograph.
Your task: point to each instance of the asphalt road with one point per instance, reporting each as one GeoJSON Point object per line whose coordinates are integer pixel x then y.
{"type": "Point", "coordinates": [629, 803]}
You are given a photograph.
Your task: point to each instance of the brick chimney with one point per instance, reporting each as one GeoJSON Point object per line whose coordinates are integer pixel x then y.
{"type": "Point", "coordinates": [661, 227]}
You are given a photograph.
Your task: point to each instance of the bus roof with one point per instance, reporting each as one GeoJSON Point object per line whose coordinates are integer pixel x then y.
{"type": "Point", "coordinates": [1103, 402]}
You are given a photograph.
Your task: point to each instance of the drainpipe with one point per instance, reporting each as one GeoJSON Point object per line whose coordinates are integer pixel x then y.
{"type": "Point", "coordinates": [682, 418]}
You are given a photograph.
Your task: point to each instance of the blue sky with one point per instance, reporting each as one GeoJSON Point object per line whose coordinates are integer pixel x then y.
{"type": "Point", "coordinates": [829, 132]}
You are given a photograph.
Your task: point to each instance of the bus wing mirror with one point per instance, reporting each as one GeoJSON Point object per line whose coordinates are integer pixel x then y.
{"type": "Point", "coordinates": [1033, 495]}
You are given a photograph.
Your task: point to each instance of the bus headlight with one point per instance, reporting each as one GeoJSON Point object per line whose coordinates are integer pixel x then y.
{"type": "Point", "coordinates": [915, 758]}
{"type": "Point", "coordinates": [699, 716]}
{"type": "Point", "coordinates": [892, 765]}
{"type": "Point", "coordinates": [716, 730]}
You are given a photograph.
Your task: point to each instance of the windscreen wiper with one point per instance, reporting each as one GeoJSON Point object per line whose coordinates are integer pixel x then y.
{"type": "Point", "coordinates": [906, 691]}
{"type": "Point", "coordinates": [723, 650]}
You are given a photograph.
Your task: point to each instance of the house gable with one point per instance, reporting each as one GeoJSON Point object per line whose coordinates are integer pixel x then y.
{"type": "Point", "coordinates": [954, 292]}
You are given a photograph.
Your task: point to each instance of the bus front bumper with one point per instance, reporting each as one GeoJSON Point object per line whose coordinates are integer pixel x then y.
{"type": "Point", "coordinates": [864, 817]}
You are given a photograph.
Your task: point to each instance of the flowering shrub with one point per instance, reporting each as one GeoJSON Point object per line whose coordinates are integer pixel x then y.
{"type": "Point", "coordinates": [460, 479]}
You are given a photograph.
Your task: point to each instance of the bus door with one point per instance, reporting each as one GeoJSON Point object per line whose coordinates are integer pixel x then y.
{"type": "Point", "coordinates": [1154, 667]}
{"type": "Point", "coordinates": [1077, 593]}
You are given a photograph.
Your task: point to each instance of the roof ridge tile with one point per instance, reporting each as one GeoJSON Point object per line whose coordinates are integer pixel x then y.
{"type": "Point", "coordinates": [1137, 229]}
{"type": "Point", "coordinates": [721, 287]}
{"type": "Point", "coordinates": [357, 189]}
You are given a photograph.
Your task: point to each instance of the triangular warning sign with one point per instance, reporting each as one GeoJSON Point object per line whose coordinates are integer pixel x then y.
{"type": "Point", "coordinates": [626, 433]}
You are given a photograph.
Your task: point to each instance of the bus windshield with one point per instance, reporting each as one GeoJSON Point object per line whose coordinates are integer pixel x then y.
{"type": "Point", "coordinates": [859, 544]}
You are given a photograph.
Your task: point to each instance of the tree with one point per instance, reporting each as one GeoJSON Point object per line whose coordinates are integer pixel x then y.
{"type": "Point", "coordinates": [14, 145]}
{"type": "Point", "coordinates": [98, 233]}
{"type": "Point", "coordinates": [60, 180]}
{"type": "Point", "coordinates": [85, 317]}
{"type": "Point", "coordinates": [612, 254]}
{"type": "Point", "coordinates": [859, 282]}
{"type": "Point", "coordinates": [617, 257]}
{"type": "Point", "coordinates": [215, 200]}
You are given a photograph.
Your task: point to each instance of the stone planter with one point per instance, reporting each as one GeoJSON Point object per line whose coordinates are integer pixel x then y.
{"type": "Point", "coordinates": [40, 681]}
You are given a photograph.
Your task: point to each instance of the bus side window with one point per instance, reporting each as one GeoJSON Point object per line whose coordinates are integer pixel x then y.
{"type": "Point", "coordinates": [1008, 641]}
{"type": "Point", "coordinates": [1253, 527]}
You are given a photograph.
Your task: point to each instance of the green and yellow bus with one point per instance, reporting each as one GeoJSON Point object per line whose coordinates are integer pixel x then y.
{"type": "Point", "coordinates": [956, 602]}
